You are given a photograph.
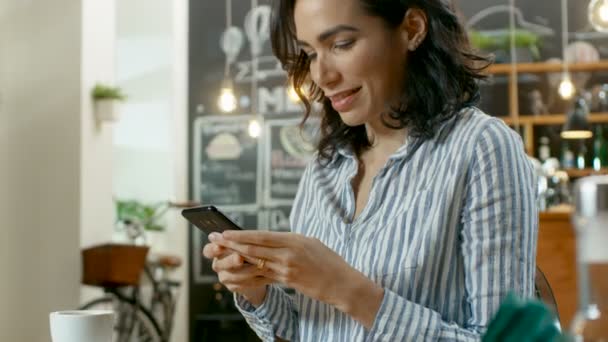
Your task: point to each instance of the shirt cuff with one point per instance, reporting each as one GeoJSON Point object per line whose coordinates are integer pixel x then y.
{"type": "Point", "coordinates": [399, 319]}
{"type": "Point", "coordinates": [275, 316]}
{"type": "Point", "coordinates": [256, 317]}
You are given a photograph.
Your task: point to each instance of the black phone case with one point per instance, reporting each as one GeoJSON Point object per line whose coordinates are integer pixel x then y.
{"type": "Point", "coordinates": [209, 219]}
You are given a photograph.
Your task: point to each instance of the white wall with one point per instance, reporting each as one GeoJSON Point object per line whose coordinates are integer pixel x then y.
{"type": "Point", "coordinates": [97, 65]}
{"type": "Point", "coordinates": [47, 145]}
{"type": "Point", "coordinates": [40, 187]}
{"type": "Point", "coordinates": [150, 140]}
{"type": "Point", "coordinates": [179, 137]}
{"type": "Point", "coordinates": [98, 19]}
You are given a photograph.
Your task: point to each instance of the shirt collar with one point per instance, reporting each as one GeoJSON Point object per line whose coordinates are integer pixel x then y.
{"type": "Point", "coordinates": [411, 143]}
{"type": "Point", "coordinates": [402, 152]}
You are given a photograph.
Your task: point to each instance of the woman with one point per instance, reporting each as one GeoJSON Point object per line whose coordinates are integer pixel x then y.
{"type": "Point", "coordinates": [417, 214]}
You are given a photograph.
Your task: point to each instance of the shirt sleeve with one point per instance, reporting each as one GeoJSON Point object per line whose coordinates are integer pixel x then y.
{"type": "Point", "coordinates": [498, 241]}
{"type": "Point", "coordinates": [275, 317]}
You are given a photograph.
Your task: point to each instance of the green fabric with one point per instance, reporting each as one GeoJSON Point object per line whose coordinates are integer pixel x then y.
{"type": "Point", "coordinates": [522, 321]}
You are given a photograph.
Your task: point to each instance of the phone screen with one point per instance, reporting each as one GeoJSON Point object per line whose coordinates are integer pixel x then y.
{"type": "Point", "coordinates": [209, 219]}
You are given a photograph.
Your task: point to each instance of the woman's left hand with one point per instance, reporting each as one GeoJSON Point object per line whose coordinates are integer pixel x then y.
{"type": "Point", "coordinates": [304, 264]}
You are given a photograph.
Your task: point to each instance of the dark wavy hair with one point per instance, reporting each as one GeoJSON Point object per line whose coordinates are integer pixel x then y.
{"type": "Point", "coordinates": [441, 75]}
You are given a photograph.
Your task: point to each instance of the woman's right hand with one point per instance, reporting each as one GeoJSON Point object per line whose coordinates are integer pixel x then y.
{"type": "Point", "coordinates": [236, 274]}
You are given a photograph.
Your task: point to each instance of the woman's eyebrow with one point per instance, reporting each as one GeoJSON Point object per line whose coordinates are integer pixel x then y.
{"type": "Point", "coordinates": [329, 33]}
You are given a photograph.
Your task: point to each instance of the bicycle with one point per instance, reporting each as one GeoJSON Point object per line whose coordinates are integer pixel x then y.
{"type": "Point", "coordinates": [136, 319]}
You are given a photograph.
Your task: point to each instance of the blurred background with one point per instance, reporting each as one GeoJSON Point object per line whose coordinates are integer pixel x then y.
{"type": "Point", "coordinates": [115, 113]}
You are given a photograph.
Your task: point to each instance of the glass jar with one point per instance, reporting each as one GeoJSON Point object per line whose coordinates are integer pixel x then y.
{"type": "Point", "coordinates": [591, 224]}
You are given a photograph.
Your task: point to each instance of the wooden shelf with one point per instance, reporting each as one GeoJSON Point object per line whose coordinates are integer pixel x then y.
{"type": "Point", "coordinates": [546, 67]}
{"type": "Point", "coordinates": [577, 173]}
{"type": "Point", "coordinates": [557, 213]}
{"type": "Point", "coordinates": [527, 122]}
{"type": "Point", "coordinates": [552, 119]}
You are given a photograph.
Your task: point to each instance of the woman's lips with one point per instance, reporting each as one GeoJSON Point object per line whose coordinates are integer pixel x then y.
{"type": "Point", "coordinates": [343, 101]}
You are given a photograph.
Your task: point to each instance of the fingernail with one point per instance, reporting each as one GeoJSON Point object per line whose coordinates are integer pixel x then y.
{"type": "Point", "coordinates": [214, 237]}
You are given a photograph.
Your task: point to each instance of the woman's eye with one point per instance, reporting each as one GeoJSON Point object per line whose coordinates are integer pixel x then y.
{"type": "Point", "coordinates": [344, 45]}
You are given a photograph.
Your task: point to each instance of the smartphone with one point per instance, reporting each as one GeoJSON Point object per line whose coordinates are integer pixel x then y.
{"type": "Point", "coordinates": [209, 219]}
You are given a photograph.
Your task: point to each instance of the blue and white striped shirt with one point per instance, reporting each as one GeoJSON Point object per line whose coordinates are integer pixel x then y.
{"type": "Point", "coordinates": [449, 229]}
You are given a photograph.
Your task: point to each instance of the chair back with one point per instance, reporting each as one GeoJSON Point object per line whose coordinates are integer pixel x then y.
{"type": "Point", "coordinates": [544, 292]}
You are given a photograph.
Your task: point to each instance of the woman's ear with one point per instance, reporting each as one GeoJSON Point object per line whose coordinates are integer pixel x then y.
{"type": "Point", "coordinates": [414, 28]}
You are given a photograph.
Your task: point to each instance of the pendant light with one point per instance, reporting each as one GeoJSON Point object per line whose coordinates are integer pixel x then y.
{"type": "Point", "coordinates": [257, 29]}
{"type": "Point", "coordinates": [231, 43]}
{"type": "Point", "coordinates": [577, 125]}
{"type": "Point", "coordinates": [598, 15]}
{"type": "Point", "coordinates": [566, 87]}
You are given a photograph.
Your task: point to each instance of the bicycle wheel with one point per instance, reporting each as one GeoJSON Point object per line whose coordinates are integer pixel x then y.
{"type": "Point", "coordinates": [163, 310]}
{"type": "Point", "coordinates": [133, 322]}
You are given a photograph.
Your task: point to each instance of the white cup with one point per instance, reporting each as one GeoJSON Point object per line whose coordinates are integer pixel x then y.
{"type": "Point", "coordinates": [82, 325]}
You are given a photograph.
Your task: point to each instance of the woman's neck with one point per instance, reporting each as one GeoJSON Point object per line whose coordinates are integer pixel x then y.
{"type": "Point", "coordinates": [384, 140]}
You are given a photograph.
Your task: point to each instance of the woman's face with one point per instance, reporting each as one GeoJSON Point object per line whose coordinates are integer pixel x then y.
{"type": "Point", "coordinates": [356, 59]}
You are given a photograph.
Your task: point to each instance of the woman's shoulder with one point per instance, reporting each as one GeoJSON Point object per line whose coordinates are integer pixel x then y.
{"type": "Point", "coordinates": [474, 116]}
{"type": "Point", "coordinates": [472, 124]}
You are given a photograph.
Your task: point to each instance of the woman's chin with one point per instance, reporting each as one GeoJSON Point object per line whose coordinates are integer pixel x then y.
{"type": "Point", "coordinates": [352, 119]}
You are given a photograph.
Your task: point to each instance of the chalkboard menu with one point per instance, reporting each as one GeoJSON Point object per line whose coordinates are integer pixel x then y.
{"type": "Point", "coordinates": [252, 179]}
{"type": "Point", "coordinates": [288, 149]}
{"type": "Point", "coordinates": [225, 159]}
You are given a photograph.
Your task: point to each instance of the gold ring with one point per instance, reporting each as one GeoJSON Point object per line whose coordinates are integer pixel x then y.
{"type": "Point", "coordinates": [260, 264]}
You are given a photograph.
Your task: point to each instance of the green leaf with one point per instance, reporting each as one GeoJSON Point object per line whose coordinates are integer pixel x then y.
{"type": "Point", "coordinates": [501, 40]}
{"type": "Point", "coordinates": [137, 211]}
{"type": "Point", "coordinates": [102, 92]}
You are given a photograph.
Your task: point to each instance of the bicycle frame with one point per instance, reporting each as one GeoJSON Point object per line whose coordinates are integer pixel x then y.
{"type": "Point", "coordinates": [162, 289]}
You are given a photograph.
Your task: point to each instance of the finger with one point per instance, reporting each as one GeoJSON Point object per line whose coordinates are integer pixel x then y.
{"type": "Point", "coordinates": [270, 268]}
{"type": "Point", "coordinates": [212, 250]}
{"type": "Point", "coordinates": [254, 251]}
{"type": "Point", "coordinates": [255, 282]}
{"type": "Point", "coordinates": [229, 262]}
{"type": "Point", "coordinates": [244, 274]}
{"type": "Point", "coordinates": [246, 277]}
{"type": "Point", "coordinates": [261, 238]}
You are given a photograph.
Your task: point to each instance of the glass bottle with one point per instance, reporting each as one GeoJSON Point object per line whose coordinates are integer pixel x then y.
{"type": "Point", "coordinates": [581, 157]}
{"type": "Point", "coordinates": [598, 148]}
{"type": "Point", "coordinates": [567, 156]}
{"type": "Point", "coordinates": [544, 151]}
{"type": "Point", "coordinates": [603, 149]}
{"type": "Point", "coordinates": [590, 222]}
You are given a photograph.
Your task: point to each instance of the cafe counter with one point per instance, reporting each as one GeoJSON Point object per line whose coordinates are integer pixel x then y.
{"type": "Point", "coordinates": [556, 257]}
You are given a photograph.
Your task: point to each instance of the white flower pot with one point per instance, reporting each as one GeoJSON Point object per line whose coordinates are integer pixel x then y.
{"type": "Point", "coordinates": [107, 110]}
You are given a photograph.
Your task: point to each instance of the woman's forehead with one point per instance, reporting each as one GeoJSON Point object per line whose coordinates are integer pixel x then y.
{"type": "Point", "coordinates": [312, 17]}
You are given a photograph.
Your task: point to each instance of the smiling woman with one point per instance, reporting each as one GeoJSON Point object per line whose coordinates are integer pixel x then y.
{"type": "Point", "coordinates": [409, 61]}
{"type": "Point", "coordinates": [417, 215]}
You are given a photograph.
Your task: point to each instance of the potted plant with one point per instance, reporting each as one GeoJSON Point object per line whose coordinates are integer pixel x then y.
{"type": "Point", "coordinates": [137, 219]}
{"type": "Point", "coordinates": [107, 100]}
{"type": "Point", "coordinates": [527, 44]}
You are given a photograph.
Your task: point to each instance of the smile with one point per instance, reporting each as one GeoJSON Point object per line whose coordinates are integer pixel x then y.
{"type": "Point", "coordinates": [343, 101]}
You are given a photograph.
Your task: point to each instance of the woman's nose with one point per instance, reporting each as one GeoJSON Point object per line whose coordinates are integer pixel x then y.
{"type": "Point", "coordinates": [324, 72]}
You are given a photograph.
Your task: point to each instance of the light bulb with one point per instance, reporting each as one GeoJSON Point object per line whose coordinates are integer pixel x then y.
{"type": "Point", "coordinates": [604, 12]}
{"type": "Point", "coordinates": [227, 100]}
{"type": "Point", "coordinates": [254, 128]}
{"type": "Point", "coordinates": [566, 88]}
{"type": "Point", "coordinates": [293, 95]}
{"type": "Point", "coordinates": [598, 15]}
